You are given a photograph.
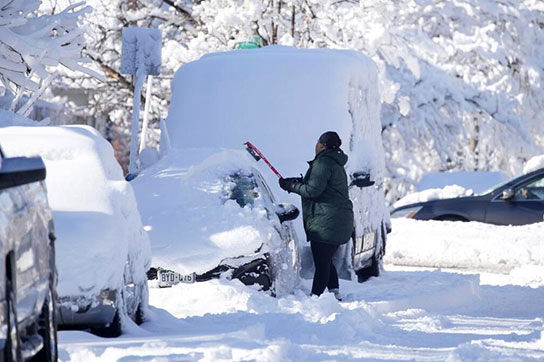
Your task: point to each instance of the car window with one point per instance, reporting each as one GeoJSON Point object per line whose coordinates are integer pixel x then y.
{"type": "Point", "coordinates": [496, 187]}
{"type": "Point", "coordinates": [533, 190]}
{"type": "Point", "coordinates": [242, 188]}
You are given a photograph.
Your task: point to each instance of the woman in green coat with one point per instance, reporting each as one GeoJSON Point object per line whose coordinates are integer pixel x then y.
{"type": "Point", "coordinates": [327, 210]}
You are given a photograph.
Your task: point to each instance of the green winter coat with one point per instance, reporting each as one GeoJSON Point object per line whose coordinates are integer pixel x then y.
{"type": "Point", "coordinates": [326, 208]}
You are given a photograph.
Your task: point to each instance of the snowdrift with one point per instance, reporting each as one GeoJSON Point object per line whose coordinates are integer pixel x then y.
{"type": "Point", "coordinates": [94, 209]}
{"type": "Point", "coordinates": [470, 245]}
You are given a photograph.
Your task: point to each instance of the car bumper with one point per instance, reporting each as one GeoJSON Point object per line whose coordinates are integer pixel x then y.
{"type": "Point", "coordinates": [80, 312]}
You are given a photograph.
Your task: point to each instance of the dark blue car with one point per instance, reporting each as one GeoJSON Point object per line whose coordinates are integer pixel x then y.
{"type": "Point", "coordinates": [518, 201]}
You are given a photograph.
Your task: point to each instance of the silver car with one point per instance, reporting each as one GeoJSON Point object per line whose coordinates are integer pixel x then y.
{"type": "Point", "coordinates": [27, 275]}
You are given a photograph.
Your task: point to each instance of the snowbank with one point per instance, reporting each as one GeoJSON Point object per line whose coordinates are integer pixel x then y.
{"type": "Point", "coordinates": [447, 192]}
{"type": "Point", "coordinates": [534, 164]}
{"type": "Point", "coordinates": [94, 209]}
{"type": "Point", "coordinates": [471, 245]}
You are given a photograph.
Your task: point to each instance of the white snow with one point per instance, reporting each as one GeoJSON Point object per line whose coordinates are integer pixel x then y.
{"type": "Point", "coordinates": [447, 192]}
{"type": "Point", "coordinates": [534, 164]}
{"type": "Point", "coordinates": [412, 314]}
{"type": "Point", "coordinates": [478, 181]}
{"type": "Point", "coordinates": [97, 223]}
{"type": "Point", "coordinates": [471, 245]}
{"type": "Point", "coordinates": [281, 99]}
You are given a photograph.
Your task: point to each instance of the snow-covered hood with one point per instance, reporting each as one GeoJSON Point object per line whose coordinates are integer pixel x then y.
{"type": "Point", "coordinates": [191, 221]}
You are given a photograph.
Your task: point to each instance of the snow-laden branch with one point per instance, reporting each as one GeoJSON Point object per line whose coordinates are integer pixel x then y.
{"type": "Point", "coordinates": [33, 47]}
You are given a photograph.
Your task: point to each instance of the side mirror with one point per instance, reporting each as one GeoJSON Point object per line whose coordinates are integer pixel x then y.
{"type": "Point", "coordinates": [361, 179]}
{"type": "Point", "coordinates": [507, 194]}
{"type": "Point", "coordinates": [287, 212]}
{"type": "Point", "coordinates": [16, 171]}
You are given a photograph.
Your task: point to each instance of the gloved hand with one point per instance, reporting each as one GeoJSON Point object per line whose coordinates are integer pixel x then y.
{"type": "Point", "coordinates": [287, 183]}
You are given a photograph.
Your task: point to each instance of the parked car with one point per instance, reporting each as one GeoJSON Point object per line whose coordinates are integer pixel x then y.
{"type": "Point", "coordinates": [518, 201]}
{"type": "Point", "coordinates": [210, 213]}
{"type": "Point", "coordinates": [102, 249]}
{"type": "Point", "coordinates": [282, 99]}
{"type": "Point", "coordinates": [27, 276]}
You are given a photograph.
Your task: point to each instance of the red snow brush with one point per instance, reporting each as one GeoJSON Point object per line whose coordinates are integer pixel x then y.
{"type": "Point", "coordinates": [257, 155]}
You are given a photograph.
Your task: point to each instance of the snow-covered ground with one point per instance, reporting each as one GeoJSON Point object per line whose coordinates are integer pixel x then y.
{"type": "Point", "coordinates": [408, 313]}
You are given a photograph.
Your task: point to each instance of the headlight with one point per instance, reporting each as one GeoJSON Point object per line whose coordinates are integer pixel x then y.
{"type": "Point", "coordinates": [408, 212]}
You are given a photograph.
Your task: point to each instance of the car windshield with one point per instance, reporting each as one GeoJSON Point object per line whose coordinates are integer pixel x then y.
{"type": "Point", "coordinates": [242, 188]}
{"type": "Point", "coordinates": [497, 186]}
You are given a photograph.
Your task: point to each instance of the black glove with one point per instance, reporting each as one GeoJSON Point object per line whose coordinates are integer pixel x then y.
{"type": "Point", "coordinates": [287, 183]}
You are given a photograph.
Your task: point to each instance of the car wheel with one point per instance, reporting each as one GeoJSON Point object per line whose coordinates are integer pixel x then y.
{"type": "Point", "coordinates": [112, 330]}
{"type": "Point", "coordinates": [139, 318]}
{"type": "Point", "coordinates": [47, 329]}
{"type": "Point", "coordinates": [254, 272]}
{"type": "Point", "coordinates": [373, 270]}
{"type": "Point", "coordinates": [12, 347]}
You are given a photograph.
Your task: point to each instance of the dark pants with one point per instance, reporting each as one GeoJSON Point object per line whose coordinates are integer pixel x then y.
{"type": "Point", "coordinates": [325, 273]}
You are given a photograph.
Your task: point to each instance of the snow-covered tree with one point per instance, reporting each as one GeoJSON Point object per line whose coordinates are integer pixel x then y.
{"type": "Point", "coordinates": [461, 82]}
{"type": "Point", "coordinates": [33, 47]}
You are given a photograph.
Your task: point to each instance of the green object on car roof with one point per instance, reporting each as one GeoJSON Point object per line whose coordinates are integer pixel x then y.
{"type": "Point", "coordinates": [253, 42]}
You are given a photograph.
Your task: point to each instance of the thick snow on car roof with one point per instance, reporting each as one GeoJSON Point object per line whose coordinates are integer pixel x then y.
{"type": "Point", "coordinates": [281, 99]}
{"type": "Point", "coordinates": [94, 209]}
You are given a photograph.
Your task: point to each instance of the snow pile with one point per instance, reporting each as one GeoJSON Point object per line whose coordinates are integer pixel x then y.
{"type": "Point", "coordinates": [466, 245]}
{"type": "Point", "coordinates": [478, 181]}
{"type": "Point", "coordinates": [97, 224]}
{"type": "Point", "coordinates": [193, 220]}
{"type": "Point", "coordinates": [447, 192]}
{"type": "Point", "coordinates": [534, 164]}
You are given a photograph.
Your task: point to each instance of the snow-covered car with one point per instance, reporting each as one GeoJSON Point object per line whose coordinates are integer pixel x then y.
{"type": "Point", "coordinates": [282, 99]}
{"type": "Point", "coordinates": [210, 213]}
{"type": "Point", "coordinates": [27, 276]}
{"type": "Point", "coordinates": [102, 251]}
{"type": "Point", "coordinates": [517, 201]}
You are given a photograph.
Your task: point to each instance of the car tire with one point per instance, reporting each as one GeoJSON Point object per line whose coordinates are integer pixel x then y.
{"type": "Point", "coordinates": [373, 270]}
{"type": "Point", "coordinates": [47, 329]}
{"type": "Point", "coordinates": [112, 330]}
{"type": "Point", "coordinates": [12, 347]}
{"type": "Point", "coordinates": [139, 316]}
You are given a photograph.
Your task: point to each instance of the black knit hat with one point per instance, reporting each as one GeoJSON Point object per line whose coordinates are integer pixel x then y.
{"type": "Point", "coordinates": [330, 139]}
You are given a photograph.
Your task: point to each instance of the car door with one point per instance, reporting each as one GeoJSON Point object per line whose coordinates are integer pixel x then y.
{"type": "Point", "coordinates": [526, 206]}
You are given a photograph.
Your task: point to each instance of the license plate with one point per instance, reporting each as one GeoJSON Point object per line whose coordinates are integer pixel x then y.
{"type": "Point", "coordinates": [167, 278]}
